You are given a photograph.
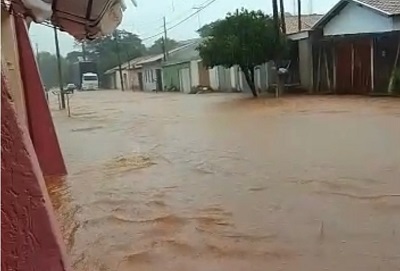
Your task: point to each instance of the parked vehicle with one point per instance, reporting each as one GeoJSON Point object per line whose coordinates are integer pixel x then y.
{"type": "Point", "coordinates": [81, 68]}
{"type": "Point", "coordinates": [70, 88]}
{"type": "Point", "coordinates": [90, 81]}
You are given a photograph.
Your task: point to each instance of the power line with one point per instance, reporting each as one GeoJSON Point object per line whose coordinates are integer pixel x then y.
{"type": "Point", "coordinates": [181, 21]}
{"type": "Point", "coordinates": [179, 16]}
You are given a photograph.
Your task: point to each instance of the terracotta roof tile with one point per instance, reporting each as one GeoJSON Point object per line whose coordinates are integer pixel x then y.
{"type": "Point", "coordinates": [307, 22]}
{"type": "Point", "coordinates": [391, 7]}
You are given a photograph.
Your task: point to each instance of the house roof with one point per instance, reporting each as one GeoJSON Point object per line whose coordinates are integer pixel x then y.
{"type": "Point", "coordinates": [307, 22]}
{"type": "Point", "coordinates": [161, 56]}
{"type": "Point", "coordinates": [131, 63]}
{"type": "Point", "coordinates": [139, 61]}
{"type": "Point", "coordinates": [389, 7]}
{"type": "Point", "coordinates": [386, 7]}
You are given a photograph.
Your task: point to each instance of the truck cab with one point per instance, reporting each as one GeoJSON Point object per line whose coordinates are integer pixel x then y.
{"type": "Point", "coordinates": [90, 81]}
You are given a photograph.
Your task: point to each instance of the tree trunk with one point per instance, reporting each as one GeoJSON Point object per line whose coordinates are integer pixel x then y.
{"type": "Point", "coordinates": [283, 21]}
{"type": "Point", "coordinates": [249, 75]}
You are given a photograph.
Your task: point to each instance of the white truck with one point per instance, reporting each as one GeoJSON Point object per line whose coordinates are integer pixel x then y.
{"type": "Point", "coordinates": [90, 81]}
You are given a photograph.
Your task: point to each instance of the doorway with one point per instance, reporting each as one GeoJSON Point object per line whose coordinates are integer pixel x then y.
{"type": "Point", "coordinates": [140, 79]}
{"type": "Point", "coordinates": [159, 80]}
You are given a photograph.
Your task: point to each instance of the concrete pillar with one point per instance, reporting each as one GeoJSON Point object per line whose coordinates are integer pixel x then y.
{"type": "Point", "coordinates": [40, 123]}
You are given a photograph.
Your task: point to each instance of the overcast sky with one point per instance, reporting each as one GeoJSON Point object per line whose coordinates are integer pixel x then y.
{"type": "Point", "coordinates": [146, 19]}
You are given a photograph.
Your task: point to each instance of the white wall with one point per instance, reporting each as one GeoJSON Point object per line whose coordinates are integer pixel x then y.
{"type": "Point", "coordinates": [257, 78]}
{"type": "Point", "coordinates": [149, 82]}
{"type": "Point", "coordinates": [355, 19]}
{"type": "Point", "coordinates": [194, 73]}
{"type": "Point", "coordinates": [117, 80]}
{"type": "Point", "coordinates": [234, 78]}
{"type": "Point", "coordinates": [305, 62]}
{"type": "Point", "coordinates": [214, 80]}
{"type": "Point", "coordinates": [396, 22]}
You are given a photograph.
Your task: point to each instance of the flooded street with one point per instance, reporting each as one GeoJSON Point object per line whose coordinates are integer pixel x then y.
{"type": "Point", "coordinates": [222, 182]}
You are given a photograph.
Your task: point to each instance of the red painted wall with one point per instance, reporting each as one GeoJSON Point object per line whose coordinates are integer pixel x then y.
{"type": "Point", "coordinates": [41, 127]}
{"type": "Point", "coordinates": [29, 238]}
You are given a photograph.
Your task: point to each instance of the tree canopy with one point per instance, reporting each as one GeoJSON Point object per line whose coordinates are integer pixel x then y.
{"type": "Point", "coordinates": [244, 38]}
{"type": "Point", "coordinates": [157, 47]}
{"type": "Point", "coordinates": [48, 68]}
{"type": "Point", "coordinates": [105, 50]}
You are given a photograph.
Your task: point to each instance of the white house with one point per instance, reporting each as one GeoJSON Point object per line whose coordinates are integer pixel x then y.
{"type": "Point", "coordinates": [356, 47]}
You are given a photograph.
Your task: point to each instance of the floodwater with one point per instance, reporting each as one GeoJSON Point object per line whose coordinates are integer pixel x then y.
{"type": "Point", "coordinates": [227, 183]}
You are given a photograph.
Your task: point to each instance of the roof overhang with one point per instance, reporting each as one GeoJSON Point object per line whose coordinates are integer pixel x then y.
{"type": "Point", "coordinates": [340, 6]}
{"type": "Point", "coordinates": [299, 35]}
{"type": "Point", "coordinates": [83, 19]}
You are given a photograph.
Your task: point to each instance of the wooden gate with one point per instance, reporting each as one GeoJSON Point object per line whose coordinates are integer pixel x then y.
{"type": "Point", "coordinates": [353, 67]}
{"type": "Point", "coordinates": [343, 68]}
{"type": "Point", "coordinates": [362, 67]}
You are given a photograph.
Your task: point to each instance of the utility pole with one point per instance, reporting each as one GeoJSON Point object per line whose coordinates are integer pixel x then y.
{"type": "Point", "coordinates": [299, 13]}
{"type": "Point", "coordinates": [198, 14]}
{"type": "Point", "coordinates": [116, 36]}
{"type": "Point", "coordinates": [129, 70]}
{"type": "Point", "coordinates": [283, 21]}
{"type": "Point", "coordinates": [163, 48]}
{"type": "Point", "coordinates": [60, 79]}
{"type": "Point", "coordinates": [276, 18]}
{"type": "Point", "coordinates": [278, 40]}
{"type": "Point", "coordinates": [165, 39]}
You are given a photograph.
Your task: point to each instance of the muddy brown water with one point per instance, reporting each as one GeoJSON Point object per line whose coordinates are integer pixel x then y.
{"type": "Point", "coordinates": [225, 182]}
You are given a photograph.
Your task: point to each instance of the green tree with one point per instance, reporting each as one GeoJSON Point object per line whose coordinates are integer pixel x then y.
{"type": "Point", "coordinates": [74, 56]}
{"type": "Point", "coordinates": [105, 51]}
{"type": "Point", "coordinates": [48, 68]}
{"type": "Point", "coordinates": [206, 30]}
{"type": "Point", "coordinates": [244, 38]}
{"type": "Point", "coordinates": [157, 47]}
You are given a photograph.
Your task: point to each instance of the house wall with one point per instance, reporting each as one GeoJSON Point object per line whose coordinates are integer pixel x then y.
{"type": "Point", "coordinates": [133, 79]}
{"type": "Point", "coordinates": [356, 19]}
{"type": "Point", "coordinates": [194, 73]}
{"type": "Point", "coordinates": [149, 76]}
{"type": "Point", "coordinates": [214, 79]}
{"type": "Point", "coordinates": [204, 75]}
{"type": "Point", "coordinates": [125, 77]}
{"type": "Point", "coordinates": [305, 62]}
{"type": "Point", "coordinates": [234, 74]}
{"type": "Point", "coordinates": [224, 79]}
{"type": "Point", "coordinates": [244, 86]}
{"type": "Point", "coordinates": [171, 75]}
{"type": "Point", "coordinates": [385, 50]}
{"type": "Point", "coordinates": [396, 23]}
{"type": "Point", "coordinates": [262, 77]}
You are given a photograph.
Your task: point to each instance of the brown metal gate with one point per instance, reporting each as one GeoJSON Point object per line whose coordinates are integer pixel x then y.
{"type": "Point", "coordinates": [362, 67]}
{"type": "Point", "coordinates": [353, 67]}
{"type": "Point", "coordinates": [343, 68]}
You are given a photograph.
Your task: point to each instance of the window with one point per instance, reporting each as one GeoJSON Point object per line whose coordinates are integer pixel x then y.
{"type": "Point", "coordinates": [90, 78]}
{"type": "Point", "coordinates": [152, 76]}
